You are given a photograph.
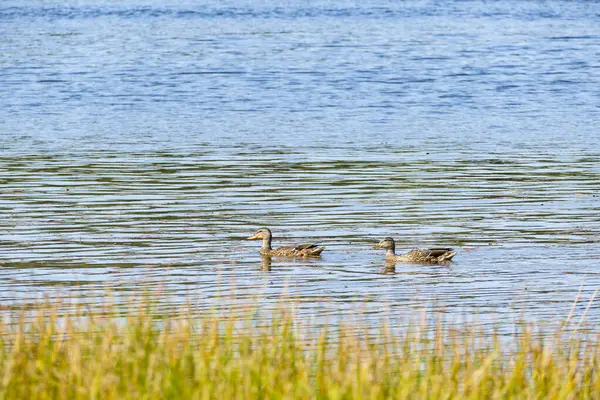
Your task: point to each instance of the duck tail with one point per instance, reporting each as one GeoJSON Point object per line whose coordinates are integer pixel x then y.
{"type": "Point", "coordinates": [447, 256]}
{"type": "Point", "coordinates": [317, 250]}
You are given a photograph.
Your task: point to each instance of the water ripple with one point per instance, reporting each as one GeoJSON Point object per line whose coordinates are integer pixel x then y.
{"type": "Point", "coordinates": [140, 145]}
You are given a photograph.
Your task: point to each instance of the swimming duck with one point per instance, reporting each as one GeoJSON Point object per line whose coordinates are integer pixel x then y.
{"type": "Point", "coordinates": [415, 256]}
{"type": "Point", "coordinates": [302, 250]}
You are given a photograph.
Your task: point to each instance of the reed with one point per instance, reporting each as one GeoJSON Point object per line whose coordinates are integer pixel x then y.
{"type": "Point", "coordinates": [135, 354]}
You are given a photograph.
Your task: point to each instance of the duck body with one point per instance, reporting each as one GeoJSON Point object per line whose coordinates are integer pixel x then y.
{"type": "Point", "coordinates": [426, 256]}
{"type": "Point", "coordinates": [416, 256]}
{"type": "Point", "coordinates": [301, 250]}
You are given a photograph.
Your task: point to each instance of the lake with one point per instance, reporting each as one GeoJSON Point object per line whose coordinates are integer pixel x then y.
{"type": "Point", "coordinates": [142, 142]}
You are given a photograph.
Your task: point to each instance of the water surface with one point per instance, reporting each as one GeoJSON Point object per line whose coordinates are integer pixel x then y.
{"type": "Point", "coordinates": [142, 142]}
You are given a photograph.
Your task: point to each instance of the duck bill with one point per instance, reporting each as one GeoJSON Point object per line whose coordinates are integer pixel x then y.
{"type": "Point", "coordinates": [253, 237]}
{"type": "Point", "coordinates": [375, 247]}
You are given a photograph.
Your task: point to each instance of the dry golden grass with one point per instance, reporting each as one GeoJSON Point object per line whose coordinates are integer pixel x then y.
{"type": "Point", "coordinates": [135, 355]}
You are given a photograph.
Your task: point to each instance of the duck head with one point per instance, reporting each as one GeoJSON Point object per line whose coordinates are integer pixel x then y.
{"type": "Point", "coordinates": [265, 235]}
{"type": "Point", "coordinates": [386, 243]}
{"type": "Point", "coordinates": [262, 233]}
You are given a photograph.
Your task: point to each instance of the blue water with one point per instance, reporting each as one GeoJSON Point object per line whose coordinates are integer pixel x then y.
{"type": "Point", "coordinates": [141, 141]}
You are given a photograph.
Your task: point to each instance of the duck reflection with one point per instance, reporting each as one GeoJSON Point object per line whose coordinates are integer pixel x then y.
{"type": "Point", "coordinates": [389, 268]}
{"type": "Point", "coordinates": [265, 263]}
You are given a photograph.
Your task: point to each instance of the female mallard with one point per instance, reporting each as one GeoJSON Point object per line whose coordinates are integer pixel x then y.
{"type": "Point", "coordinates": [416, 256]}
{"type": "Point", "coordinates": [302, 250]}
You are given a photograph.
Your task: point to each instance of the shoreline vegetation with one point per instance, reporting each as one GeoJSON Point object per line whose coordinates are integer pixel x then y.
{"type": "Point", "coordinates": [138, 354]}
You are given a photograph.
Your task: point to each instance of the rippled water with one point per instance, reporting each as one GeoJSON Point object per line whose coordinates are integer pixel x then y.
{"type": "Point", "coordinates": [142, 143]}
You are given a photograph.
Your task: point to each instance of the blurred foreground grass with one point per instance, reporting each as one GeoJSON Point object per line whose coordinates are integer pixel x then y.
{"type": "Point", "coordinates": [134, 354]}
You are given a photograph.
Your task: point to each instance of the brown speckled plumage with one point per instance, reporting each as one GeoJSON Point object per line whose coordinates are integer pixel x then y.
{"type": "Point", "coordinates": [301, 250]}
{"type": "Point", "coordinates": [415, 256]}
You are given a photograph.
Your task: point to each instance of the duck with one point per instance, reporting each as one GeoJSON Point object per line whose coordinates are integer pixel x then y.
{"type": "Point", "coordinates": [301, 250]}
{"type": "Point", "coordinates": [415, 256]}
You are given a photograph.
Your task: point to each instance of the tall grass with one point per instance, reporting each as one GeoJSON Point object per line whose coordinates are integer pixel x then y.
{"type": "Point", "coordinates": [135, 355]}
